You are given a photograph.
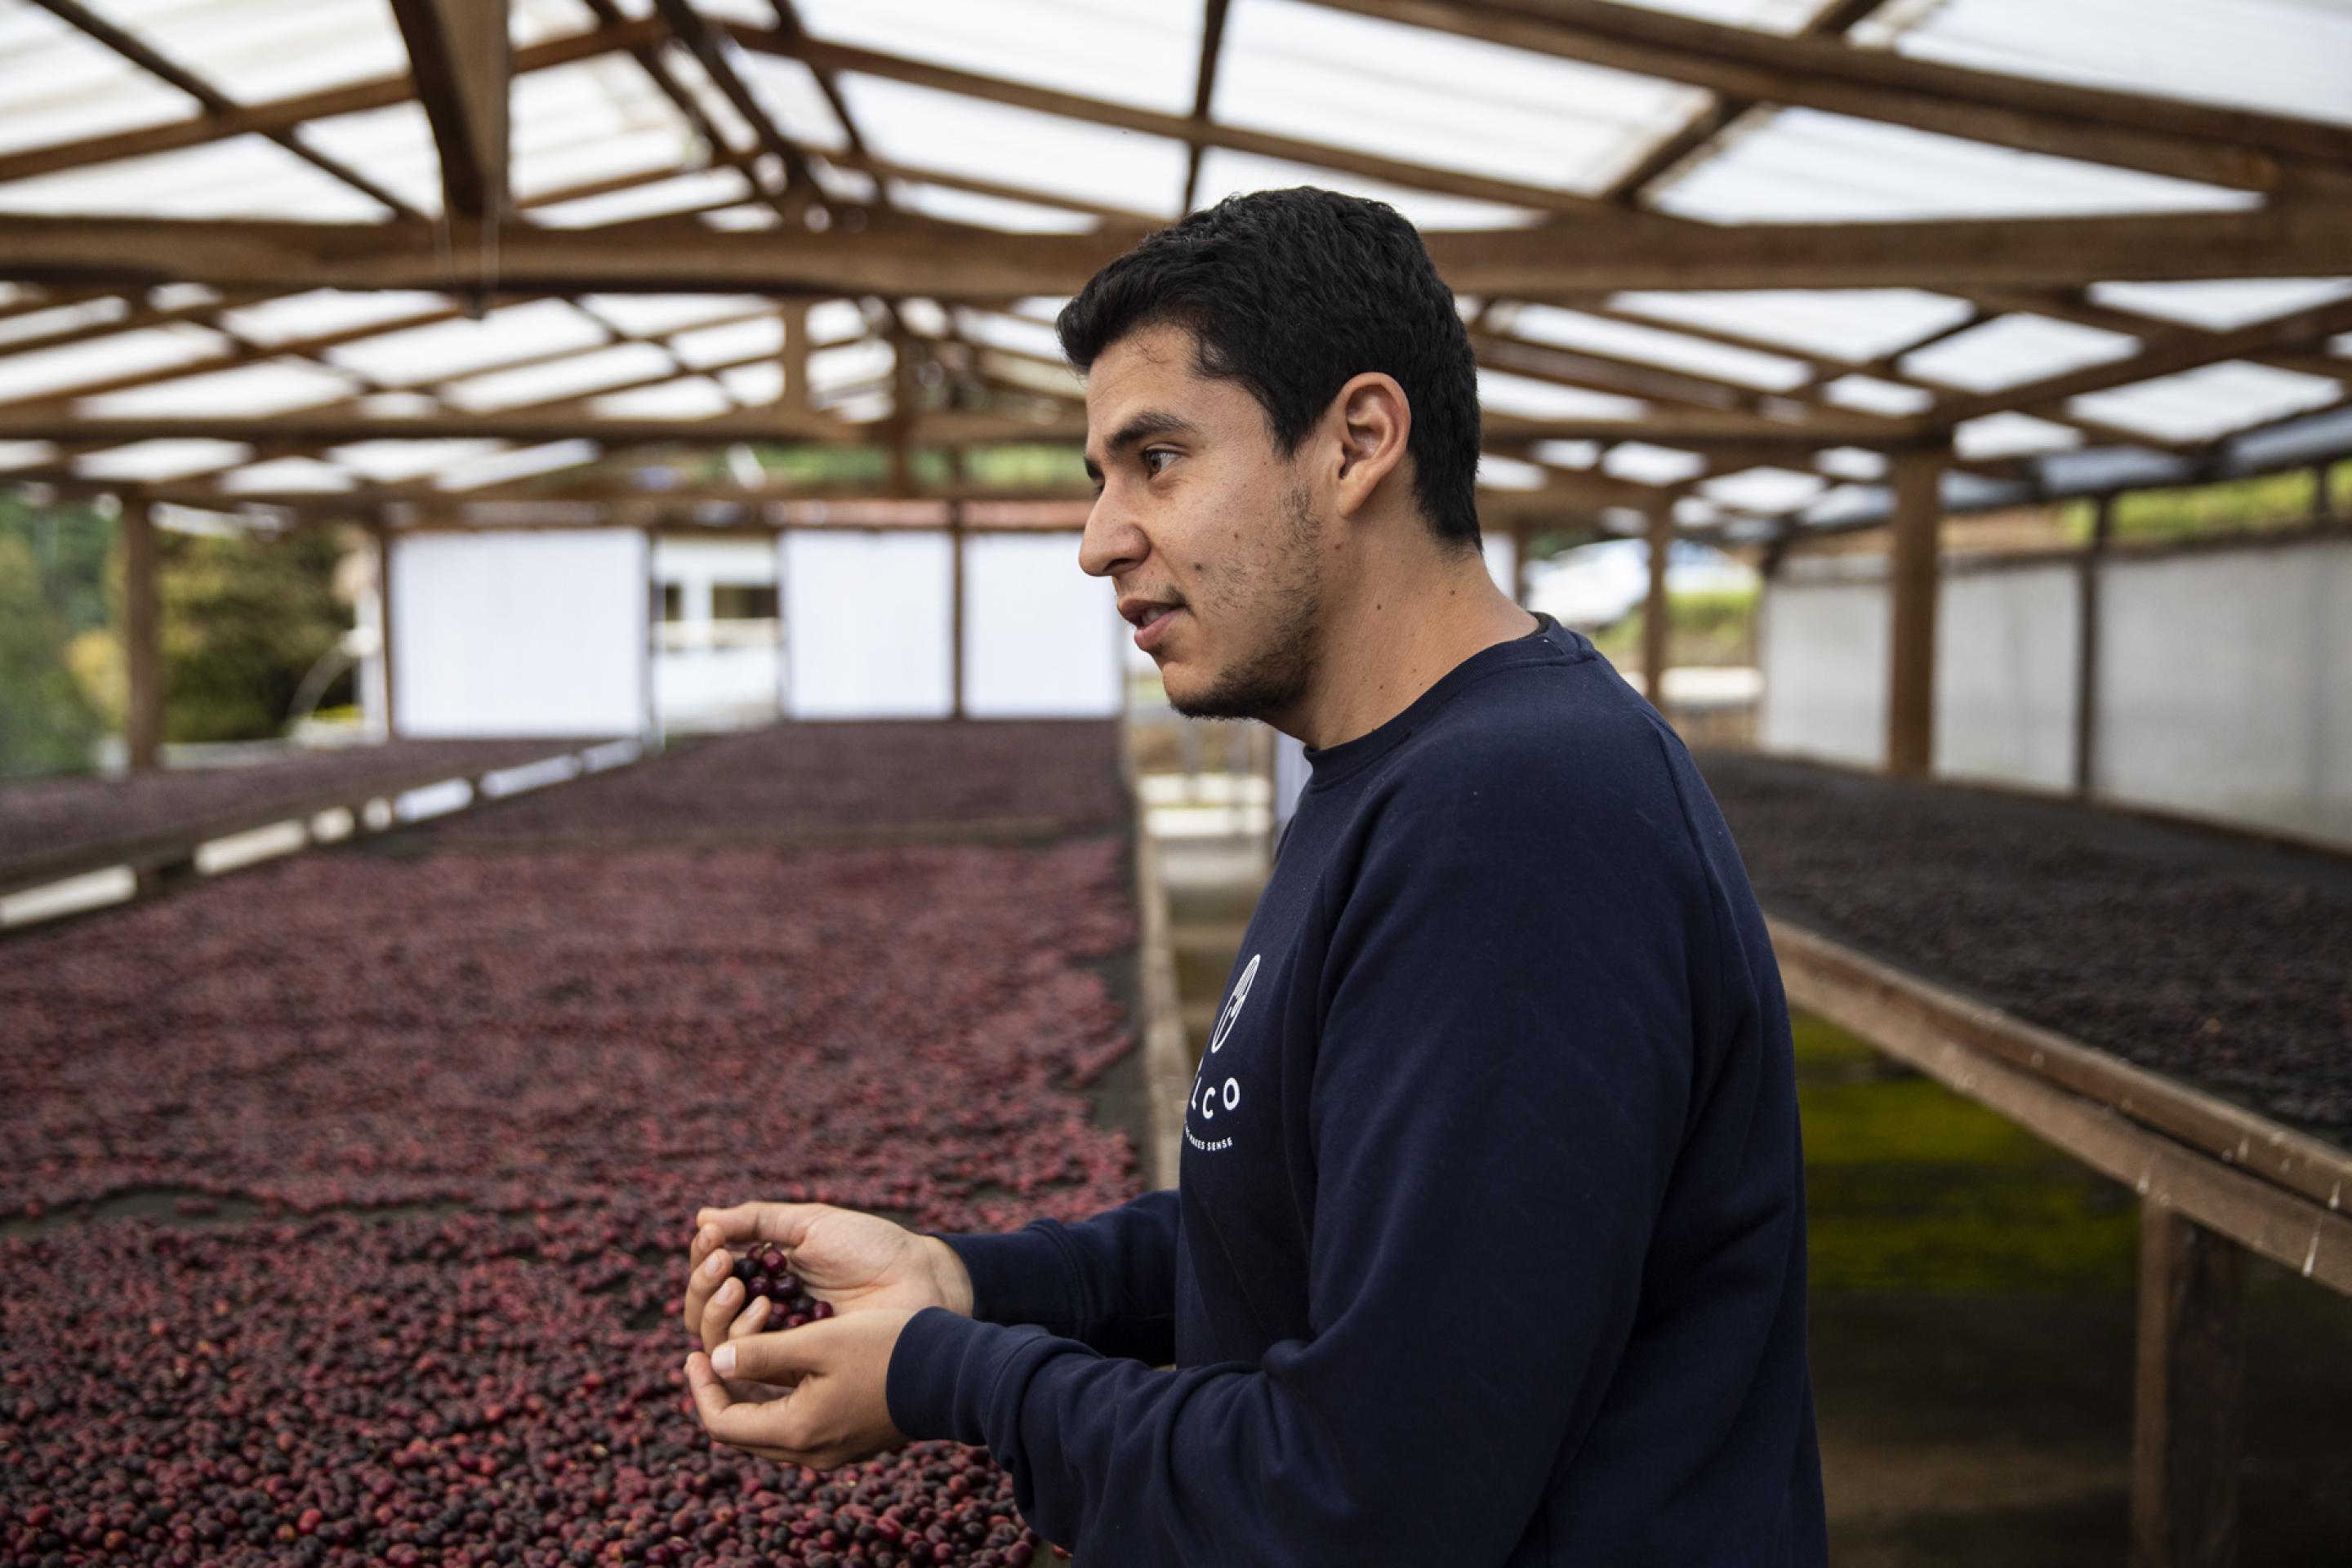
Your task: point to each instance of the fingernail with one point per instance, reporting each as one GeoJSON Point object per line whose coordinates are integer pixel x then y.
{"type": "Point", "coordinates": [714, 1266]}
{"type": "Point", "coordinates": [723, 1359]}
{"type": "Point", "coordinates": [729, 1290]}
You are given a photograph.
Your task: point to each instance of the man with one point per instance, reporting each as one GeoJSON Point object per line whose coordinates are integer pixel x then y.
{"type": "Point", "coordinates": [1489, 1246]}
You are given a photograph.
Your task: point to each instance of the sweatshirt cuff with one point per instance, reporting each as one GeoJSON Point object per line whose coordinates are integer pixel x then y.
{"type": "Point", "coordinates": [941, 1370]}
{"type": "Point", "coordinates": [1020, 1277]}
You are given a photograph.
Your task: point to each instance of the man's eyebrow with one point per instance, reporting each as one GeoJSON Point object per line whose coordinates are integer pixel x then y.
{"type": "Point", "coordinates": [1142, 427]}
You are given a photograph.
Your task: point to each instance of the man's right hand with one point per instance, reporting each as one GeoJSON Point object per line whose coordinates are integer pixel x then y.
{"type": "Point", "coordinates": [852, 1261]}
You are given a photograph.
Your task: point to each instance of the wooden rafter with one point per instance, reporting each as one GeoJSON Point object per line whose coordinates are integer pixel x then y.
{"type": "Point", "coordinates": [1204, 91]}
{"type": "Point", "coordinates": [687, 26]}
{"type": "Point", "coordinates": [949, 261]}
{"type": "Point", "coordinates": [459, 56]}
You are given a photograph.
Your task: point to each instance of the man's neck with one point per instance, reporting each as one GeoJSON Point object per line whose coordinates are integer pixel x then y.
{"type": "Point", "coordinates": [1385, 647]}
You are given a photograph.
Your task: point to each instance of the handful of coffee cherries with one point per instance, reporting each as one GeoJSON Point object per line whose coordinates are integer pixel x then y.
{"type": "Point", "coordinates": [790, 1305]}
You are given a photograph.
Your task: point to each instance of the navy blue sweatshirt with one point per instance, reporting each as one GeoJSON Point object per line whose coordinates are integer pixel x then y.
{"type": "Point", "coordinates": [1489, 1246]}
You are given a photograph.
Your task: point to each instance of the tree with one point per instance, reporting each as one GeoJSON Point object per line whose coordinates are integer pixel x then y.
{"type": "Point", "coordinates": [47, 723]}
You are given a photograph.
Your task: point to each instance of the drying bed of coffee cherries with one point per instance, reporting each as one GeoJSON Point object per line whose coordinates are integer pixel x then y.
{"type": "Point", "coordinates": [42, 817]}
{"type": "Point", "coordinates": [346, 1199]}
{"type": "Point", "coordinates": [2222, 963]}
{"type": "Point", "coordinates": [851, 778]}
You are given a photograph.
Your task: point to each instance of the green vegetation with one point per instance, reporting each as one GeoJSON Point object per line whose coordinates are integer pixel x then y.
{"type": "Point", "coordinates": [1911, 1188]}
{"type": "Point", "coordinates": [243, 620]}
{"type": "Point", "coordinates": [1711, 628]}
{"type": "Point", "coordinates": [2274, 500]}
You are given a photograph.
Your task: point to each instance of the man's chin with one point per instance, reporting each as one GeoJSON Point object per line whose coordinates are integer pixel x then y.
{"type": "Point", "coordinates": [1208, 700]}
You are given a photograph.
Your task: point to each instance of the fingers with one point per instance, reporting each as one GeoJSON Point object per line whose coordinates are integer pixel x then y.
{"type": "Point", "coordinates": [724, 1309]}
{"type": "Point", "coordinates": [752, 1320]}
{"type": "Point", "coordinates": [710, 1270]}
{"type": "Point", "coordinates": [774, 1425]}
{"type": "Point", "coordinates": [782, 1224]}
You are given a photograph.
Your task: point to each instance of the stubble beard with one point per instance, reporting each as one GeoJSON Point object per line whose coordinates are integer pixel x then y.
{"type": "Point", "coordinates": [1273, 677]}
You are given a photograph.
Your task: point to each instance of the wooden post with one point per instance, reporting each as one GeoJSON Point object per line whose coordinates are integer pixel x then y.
{"type": "Point", "coordinates": [955, 613]}
{"type": "Point", "coordinates": [381, 534]}
{"type": "Point", "coordinates": [793, 391]}
{"type": "Point", "coordinates": [143, 726]}
{"type": "Point", "coordinates": [1656, 616]}
{"type": "Point", "coordinates": [2188, 1424]}
{"type": "Point", "coordinates": [2323, 476]}
{"type": "Point", "coordinates": [1911, 584]}
{"type": "Point", "coordinates": [2086, 648]}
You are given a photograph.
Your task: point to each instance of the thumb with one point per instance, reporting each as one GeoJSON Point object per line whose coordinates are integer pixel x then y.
{"type": "Point", "coordinates": [782, 1358]}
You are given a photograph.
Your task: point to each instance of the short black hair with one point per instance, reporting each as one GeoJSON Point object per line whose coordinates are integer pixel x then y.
{"type": "Point", "coordinates": [1291, 293]}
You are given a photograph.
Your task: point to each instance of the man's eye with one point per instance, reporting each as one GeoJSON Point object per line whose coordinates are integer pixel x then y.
{"type": "Point", "coordinates": [1154, 459]}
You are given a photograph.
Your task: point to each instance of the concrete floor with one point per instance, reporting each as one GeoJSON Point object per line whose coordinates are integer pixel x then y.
{"type": "Point", "coordinates": [1972, 1313]}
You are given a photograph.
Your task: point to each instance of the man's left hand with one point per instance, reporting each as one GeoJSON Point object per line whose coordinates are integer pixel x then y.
{"type": "Point", "coordinates": [811, 1396]}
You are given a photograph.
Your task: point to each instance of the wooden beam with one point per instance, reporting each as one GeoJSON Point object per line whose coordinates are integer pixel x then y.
{"type": "Point", "coordinates": [2189, 1407]}
{"type": "Point", "coordinates": [459, 56]}
{"type": "Point", "coordinates": [1657, 617]}
{"type": "Point", "coordinates": [687, 25]}
{"type": "Point", "coordinates": [143, 726]}
{"type": "Point", "coordinates": [386, 648]}
{"type": "Point", "coordinates": [955, 262]}
{"type": "Point", "coordinates": [1204, 91]}
{"type": "Point", "coordinates": [1911, 637]}
{"type": "Point", "coordinates": [2086, 647]}
{"type": "Point", "coordinates": [2242, 148]}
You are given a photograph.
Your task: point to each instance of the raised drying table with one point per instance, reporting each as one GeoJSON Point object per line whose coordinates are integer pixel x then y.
{"type": "Point", "coordinates": [2171, 1006]}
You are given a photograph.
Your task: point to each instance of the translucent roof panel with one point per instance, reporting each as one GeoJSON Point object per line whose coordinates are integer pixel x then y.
{"type": "Point", "coordinates": [2011, 436]}
{"type": "Point", "coordinates": [2220, 304]}
{"type": "Point", "coordinates": [497, 467]}
{"type": "Point", "coordinates": [244, 177]}
{"type": "Point", "coordinates": [1804, 166]}
{"type": "Point", "coordinates": [2014, 350]}
{"type": "Point", "coordinates": [423, 355]}
{"type": "Point", "coordinates": [251, 391]}
{"type": "Point", "coordinates": [689, 397]}
{"type": "Point", "coordinates": [162, 460]}
{"type": "Point", "coordinates": [2286, 56]}
{"type": "Point", "coordinates": [38, 373]}
{"type": "Point", "coordinates": [1524, 397]}
{"type": "Point", "coordinates": [1652, 345]}
{"type": "Point", "coordinates": [571, 375]}
{"type": "Point", "coordinates": [1017, 333]}
{"type": "Point", "coordinates": [1143, 52]}
{"type": "Point", "coordinates": [983, 211]}
{"type": "Point", "coordinates": [1224, 172]}
{"type": "Point", "coordinates": [295, 316]}
{"type": "Point", "coordinates": [390, 462]}
{"type": "Point", "coordinates": [852, 365]}
{"type": "Point", "coordinates": [1843, 323]}
{"type": "Point", "coordinates": [1647, 463]}
{"type": "Point", "coordinates": [731, 344]}
{"type": "Point", "coordinates": [2199, 405]}
{"type": "Point", "coordinates": [1509, 474]}
{"type": "Point", "coordinates": [1432, 97]}
{"type": "Point", "coordinates": [590, 121]}
{"type": "Point", "coordinates": [1872, 394]}
{"type": "Point", "coordinates": [690, 193]}
{"type": "Point", "coordinates": [953, 135]}
{"type": "Point", "coordinates": [1764, 16]}
{"type": "Point", "coordinates": [1767, 490]}
{"type": "Point", "coordinates": [795, 103]}
{"type": "Point", "coordinates": [60, 86]}
{"type": "Point", "coordinates": [755, 384]}
{"type": "Point", "coordinates": [49, 324]}
{"type": "Point", "coordinates": [256, 51]}
{"type": "Point", "coordinates": [287, 475]}
{"type": "Point", "coordinates": [393, 146]}
{"type": "Point", "coordinates": [657, 315]}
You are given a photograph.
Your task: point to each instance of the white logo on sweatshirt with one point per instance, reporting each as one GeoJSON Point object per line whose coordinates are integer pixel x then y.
{"type": "Point", "coordinates": [1209, 1097]}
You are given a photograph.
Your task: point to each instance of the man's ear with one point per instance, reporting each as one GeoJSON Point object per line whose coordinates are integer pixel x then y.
{"type": "Point", "coordinates": [1375, 422]}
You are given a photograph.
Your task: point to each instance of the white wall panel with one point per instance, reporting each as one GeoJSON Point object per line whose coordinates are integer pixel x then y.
{"type": "Point", "coordinates": [1502, 552]}
{"type": "Point", "coordinates": [868, 619]}
{"type": "Point", "coordinates": [1823, 648]}
{"type": "Point", "coordinates": [2005, 658]}
{"type": "Point", "coordinates": [2225, 686]}
{"type": "Point", "coordinates": [1041, 638]}
{"type": "Point", "coordinates": [539, 633]}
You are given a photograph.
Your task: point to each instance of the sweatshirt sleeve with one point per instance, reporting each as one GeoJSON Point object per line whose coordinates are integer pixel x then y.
{"type": "Point", "coordinates": [1108, 1282]}
{"type": "Point", "coordinates": [1502, 1082]}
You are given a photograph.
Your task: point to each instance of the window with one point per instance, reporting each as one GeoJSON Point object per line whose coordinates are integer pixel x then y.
{"type": "Point", "coordinates": [743, 601]}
